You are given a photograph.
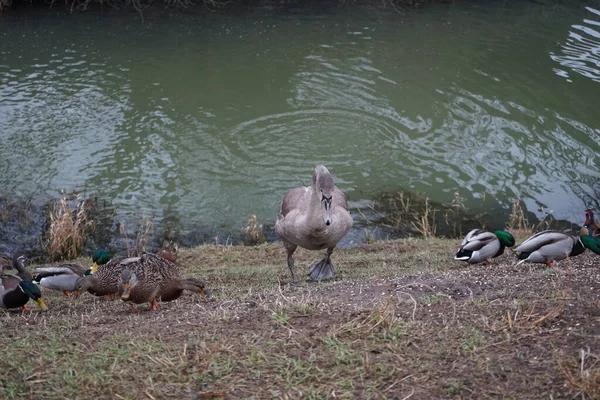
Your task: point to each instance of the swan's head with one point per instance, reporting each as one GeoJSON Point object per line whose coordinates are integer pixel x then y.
{"type": "Point", "coordinates": [323, 183]}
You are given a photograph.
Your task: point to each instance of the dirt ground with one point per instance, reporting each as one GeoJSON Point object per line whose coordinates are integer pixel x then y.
{"type": "Point", "coordinates": [400, 320]}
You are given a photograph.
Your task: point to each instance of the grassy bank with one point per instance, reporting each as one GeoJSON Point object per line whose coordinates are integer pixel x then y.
{"type": "Point", "coordinates": [401, 320]}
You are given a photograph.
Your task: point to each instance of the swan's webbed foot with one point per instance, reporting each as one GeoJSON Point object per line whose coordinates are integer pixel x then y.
{"type": "Point", "coordinates": [322, 269]}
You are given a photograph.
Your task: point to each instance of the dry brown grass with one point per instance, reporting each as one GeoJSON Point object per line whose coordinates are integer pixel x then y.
{"type": "Point", "coordinates": [252, 233]}
{"type": "Point", "coordinates": [142, 237]}
{"type": "Point", "coordinates": [520, 226]}
{"type": "Point", "coordinates": [582, 373]}
{"type": "Point", "coordinates": [67, 229]}
{"type": "Point", "coordinates": [400, 320]}
{"type": "Point", "coordinates": [412, 214]}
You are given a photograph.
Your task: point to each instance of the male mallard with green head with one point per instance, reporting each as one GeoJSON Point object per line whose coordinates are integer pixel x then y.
{"type": "Point", "coordinates": [478, 246]}
{"type": "Point", "coordinates": [314, 218]}
{"type": "Point", "coordinates": [16, 290]}
{"type": "Point", "coordinates": [550, 246]}
{"type": "Point", "coordinates": [155, 278]}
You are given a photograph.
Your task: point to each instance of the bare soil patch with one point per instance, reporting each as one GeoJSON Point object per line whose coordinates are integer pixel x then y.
{"type": "Point", "coordinates": [400, 320]}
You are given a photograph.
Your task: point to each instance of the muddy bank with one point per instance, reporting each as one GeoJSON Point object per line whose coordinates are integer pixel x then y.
{"type": "Point", "coordinates": [60, 228]}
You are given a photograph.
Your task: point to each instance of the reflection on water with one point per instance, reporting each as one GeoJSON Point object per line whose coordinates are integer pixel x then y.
{"type": "Point", "coordinates": [205, 119]}
{"type": "Point", "coordinates": [581, 52]}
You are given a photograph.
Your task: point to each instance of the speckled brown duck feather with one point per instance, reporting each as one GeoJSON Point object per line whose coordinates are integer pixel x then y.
{"type": "Point", "coordinates": [107, 279]}
{"type": "Point", "coordinates": [155, 278]}
{"type": "Point", "coordinates": [5, 262]}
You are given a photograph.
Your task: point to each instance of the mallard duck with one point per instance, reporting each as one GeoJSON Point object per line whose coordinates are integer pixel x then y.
{"type": "Point", "coordinates": [550, 246]}
{"type": "Point", "coordinates": [478, 246]}
{"type": "Point", "coordinates": [155, 278]}
{"type": "Point", "coordinates": [60, 277]}
{"type": "Point", "coordinates": [105, 276]}
{"type": "Point", "coordinates": [591, 224]}
{"type": "Point", "coordinates": [16, 290]}
{"type": "Point", "coordinates": [314, 218]}
{"type": "Point", "coordinates": [589, 241]}
{"type": "Point", "coordinates": [5, 262]}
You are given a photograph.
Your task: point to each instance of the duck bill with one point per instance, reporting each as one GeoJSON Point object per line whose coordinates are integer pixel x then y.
{"type": "Point", "coordinates": [95, 267]}
{"type": "Point", "coordinates": [326, 212]}
{"type": "Point", "coordinates": [125, 294]}
{"type": "Point", "coordinates": [41, 304]}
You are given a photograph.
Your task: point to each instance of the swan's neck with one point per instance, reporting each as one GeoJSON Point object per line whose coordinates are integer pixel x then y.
{"type": "Point", "coordinates": [315, 211]}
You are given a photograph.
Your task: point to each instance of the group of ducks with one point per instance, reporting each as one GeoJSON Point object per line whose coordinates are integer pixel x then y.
{"type": "Point", "coordinates": [315, 217]}
{"type": "Point", "coordinates": [136, 280]}
{"type": "Point", "coordinates": [546, 247]}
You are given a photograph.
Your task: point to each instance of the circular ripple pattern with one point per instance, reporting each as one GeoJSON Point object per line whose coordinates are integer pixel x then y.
{"type": "Point", "coordinates": [203, 120]}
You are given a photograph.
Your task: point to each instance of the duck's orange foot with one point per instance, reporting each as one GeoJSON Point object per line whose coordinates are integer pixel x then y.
{"type": "Point", "coordinates": [109, 296]}
{"type": "Point", "coordinates": [549, 263]}
{"type": "Point", "coordinates": [25, 308]}
{"type": "Point", "coordinates": [133, 308]}
{"type": "Point", "coordinates": [153, 305]}
{"type": "Point", "coordinates": [65, 293]}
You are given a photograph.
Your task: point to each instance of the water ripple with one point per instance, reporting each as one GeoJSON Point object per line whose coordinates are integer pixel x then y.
{"type": "Point", "coordinates": [214, 121]}
{"type": "Point", "coordinates": [581, 52]}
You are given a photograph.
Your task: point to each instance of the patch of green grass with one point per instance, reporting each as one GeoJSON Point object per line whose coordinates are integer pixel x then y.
{"type": "Point", "coordinates": [400, 319]}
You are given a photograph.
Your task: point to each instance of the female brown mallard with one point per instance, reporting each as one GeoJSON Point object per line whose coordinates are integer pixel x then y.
{"type": "Point", "coordinates": [16, 290]}
{"type": "Point", "coordinates": [105, 275]}
{"type": "Point", "coordinates": [315, 218]}
{"type": "Point", "coordinates": [60, 277]}
{"type": "Point", "coordinates": [5, 262]}
{"type": "Point", "coordinates": [155, 278]}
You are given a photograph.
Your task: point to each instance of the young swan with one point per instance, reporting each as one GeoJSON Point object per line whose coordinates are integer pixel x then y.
{"type": "Point", "coordinates": [315, 218]}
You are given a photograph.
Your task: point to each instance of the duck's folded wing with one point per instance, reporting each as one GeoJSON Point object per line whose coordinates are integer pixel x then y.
{"type": "Point", "coordinates": [479, 241]}
{"type": "Point", "coordinates": [540, 240]}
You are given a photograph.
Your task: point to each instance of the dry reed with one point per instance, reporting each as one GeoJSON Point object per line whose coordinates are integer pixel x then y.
{"type": "Point", "coordinates": [67, 229]}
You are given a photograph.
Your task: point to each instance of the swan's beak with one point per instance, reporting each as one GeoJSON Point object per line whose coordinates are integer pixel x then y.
{"type": "Point", "coordinates": [326, 204]}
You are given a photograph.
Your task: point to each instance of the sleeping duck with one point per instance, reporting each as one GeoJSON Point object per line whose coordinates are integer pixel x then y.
{"type": "Point", "coordinates": [478, 246]}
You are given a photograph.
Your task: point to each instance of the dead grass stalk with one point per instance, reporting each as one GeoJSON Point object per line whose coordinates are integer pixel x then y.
{"type": "Point", "coordinates": [67, 230]}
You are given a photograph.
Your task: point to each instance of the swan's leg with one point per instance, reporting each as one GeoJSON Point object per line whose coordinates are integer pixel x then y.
{"type": "Point", "coordinates": [323, 269]}
{"type": "Point", "coordinates": [291, 248]}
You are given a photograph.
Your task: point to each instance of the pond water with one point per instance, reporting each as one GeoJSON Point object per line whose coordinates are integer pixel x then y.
{"type": "Point", "coordinates": [206, 117]}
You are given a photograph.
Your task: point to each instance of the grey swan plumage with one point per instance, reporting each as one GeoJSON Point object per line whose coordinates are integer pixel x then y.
{"type": "Point", "coordinates": [315, 218]}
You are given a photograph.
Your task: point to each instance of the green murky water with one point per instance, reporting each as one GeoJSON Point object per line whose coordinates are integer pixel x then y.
{"type": "Point", "coordinates": [204, 118]}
